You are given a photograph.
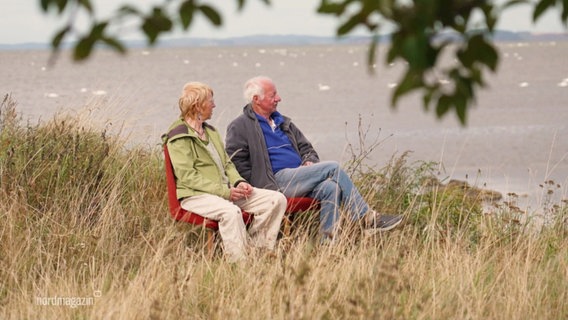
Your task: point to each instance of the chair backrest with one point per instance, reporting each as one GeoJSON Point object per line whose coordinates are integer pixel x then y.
{"type": "Point", "coordinates": [177, 212]}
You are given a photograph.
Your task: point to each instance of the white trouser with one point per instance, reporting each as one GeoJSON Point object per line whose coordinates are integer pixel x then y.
{"type": "Point", "coordinates": [267, 206]}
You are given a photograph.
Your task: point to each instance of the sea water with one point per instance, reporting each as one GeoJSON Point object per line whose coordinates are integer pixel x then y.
{"type": "Point", "coordinates": [515, 138]}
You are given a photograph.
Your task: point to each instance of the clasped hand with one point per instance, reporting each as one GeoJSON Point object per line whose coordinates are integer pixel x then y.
{"type": "Point", "coordinates": [242, 191]}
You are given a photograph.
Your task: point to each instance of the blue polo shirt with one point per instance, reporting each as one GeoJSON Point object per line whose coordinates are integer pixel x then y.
{"type": "Point", "coordinates": [280, 150]}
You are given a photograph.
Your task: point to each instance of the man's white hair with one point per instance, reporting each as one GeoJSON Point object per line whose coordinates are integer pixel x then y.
{"type": "Point", "coordinates": [254, 87]}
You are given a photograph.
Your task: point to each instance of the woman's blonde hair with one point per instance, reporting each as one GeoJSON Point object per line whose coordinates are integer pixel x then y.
{"type": "Point", "coordinates": [194, 96]}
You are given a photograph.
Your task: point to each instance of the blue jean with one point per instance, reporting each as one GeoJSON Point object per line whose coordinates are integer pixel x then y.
{"type": "Point", "coordinates": [328, 183]}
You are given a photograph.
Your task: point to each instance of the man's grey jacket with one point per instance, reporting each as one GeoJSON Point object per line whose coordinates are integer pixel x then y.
{"type": "Point", "coordinates": [246, 146]}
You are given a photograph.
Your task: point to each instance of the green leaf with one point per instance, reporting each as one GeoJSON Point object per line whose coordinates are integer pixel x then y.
{"type": "Point", "coordinates": [466, 55]}
{"type": "Point", "coordinates": [349, 25]}
{"type": "Point", "coordinates": [98, 30]}
{"type": "Point", "coordinates": [541, 7]}
{"type": "Point", "coordinates": [45, 4]}
{"type": "Point", "coordinates": [211, 14]}
{"type": "Point", "coordinates": [61, 4]}
{"type": "Point", "coordinates": [487, 54]}
{"type": "Point", "coordinates": [384, 7]}
{"type": "Point", "coordinates": [444, 104]}
{"type": "Point", "coordinates": [474, 51]}
{"type": "Point", "coordinates": [150, 31]}
{"type": "Point", "coordinates": [395, 48]}
{"type": "Point", "coordinates": [114, 43]}
{"type": "Point", "coordinates": [155, 24]}
{"type": "Point", "coordinates": [464, 86]}
{"type": "Point", "coordinates": [186, 13]}
{"type": "Point", "coordinates": [327, 7]}
{"type": "Point", "coordinates": [371, 57]}
{"type": "Point", "coordinates": [490, 16]}
{"type": "Point", "coordinates": [513, 3]}
{"type": "Point", "coordinates": [56, 42]}
{"type": "Point", "coordinates": [126, 10]}
{"type": "Point", "coordinates": [241, 5]}
{"type": "Point", "coordinates": [461, 108]}
{"type": "Point", "coordinates": [415, 51]}
{"type": "Point", "coordinates": [477, 77]}
{"type": "Point", "coordinates": [86, 4]}
{"type": "Point", "coordinates": [427, 97]}
{"type": "Point", "coordinates": [411, 80]}
{"type": "Point", "coordinates": [83, 48]}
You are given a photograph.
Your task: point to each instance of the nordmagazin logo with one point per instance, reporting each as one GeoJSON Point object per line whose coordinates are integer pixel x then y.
{"type": "Point", "coordinates": [71, 302]}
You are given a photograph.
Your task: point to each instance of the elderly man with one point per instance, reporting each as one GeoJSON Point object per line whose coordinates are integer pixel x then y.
{"type": "Point", "coordinates": [270, 152]}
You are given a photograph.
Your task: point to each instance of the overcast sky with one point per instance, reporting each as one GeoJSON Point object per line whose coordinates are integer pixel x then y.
{"type": "Point", "coordinates": [22, 21]}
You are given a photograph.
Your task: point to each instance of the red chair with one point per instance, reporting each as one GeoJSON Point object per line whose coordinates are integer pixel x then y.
{"type": "Point", "coordinates": [180, 214]}
{"type": "Point", "coordinates": [297, 205]}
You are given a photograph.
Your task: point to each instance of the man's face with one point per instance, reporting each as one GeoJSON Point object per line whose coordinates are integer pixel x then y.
{"type": "Point", "coordinates": [268, 104]}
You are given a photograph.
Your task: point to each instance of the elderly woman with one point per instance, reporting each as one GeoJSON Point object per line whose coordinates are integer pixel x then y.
{"type": "Point", "coordinates": [208, 183]}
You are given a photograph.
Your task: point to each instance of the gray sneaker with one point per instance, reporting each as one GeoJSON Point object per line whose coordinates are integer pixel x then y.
{"type": "Point", "coordinates": [383, 222]}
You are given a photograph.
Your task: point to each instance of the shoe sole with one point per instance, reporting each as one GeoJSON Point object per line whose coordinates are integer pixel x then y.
{"type": "Point", "coordinates": [373, 231]}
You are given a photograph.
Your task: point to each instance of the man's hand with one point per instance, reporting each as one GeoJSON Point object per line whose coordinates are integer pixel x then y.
{"type": "Point", "coordinates": [307, 163]}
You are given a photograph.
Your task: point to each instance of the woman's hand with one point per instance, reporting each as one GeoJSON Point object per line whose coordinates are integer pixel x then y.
{"type": "Point", "coordinates": [242, 191]}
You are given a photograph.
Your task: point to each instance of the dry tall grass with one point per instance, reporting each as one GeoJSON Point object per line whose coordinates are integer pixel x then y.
{"type": "Point", "coordinates": [85, 234]}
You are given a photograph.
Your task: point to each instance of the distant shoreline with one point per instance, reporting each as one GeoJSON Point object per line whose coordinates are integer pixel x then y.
{"type": "Point", "coordinates": [500, 36]}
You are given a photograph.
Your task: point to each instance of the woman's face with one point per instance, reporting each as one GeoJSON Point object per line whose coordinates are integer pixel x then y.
{"type": "Point", "coordinates": [207, 111]}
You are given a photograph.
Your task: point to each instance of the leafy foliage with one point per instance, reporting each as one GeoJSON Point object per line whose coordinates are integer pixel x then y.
{"type": "Point", "coordinates": [423, 31]}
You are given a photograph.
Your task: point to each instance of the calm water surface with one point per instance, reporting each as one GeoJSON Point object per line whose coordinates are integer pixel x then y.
{"type": "Point", "coordinates": [516, 136]}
